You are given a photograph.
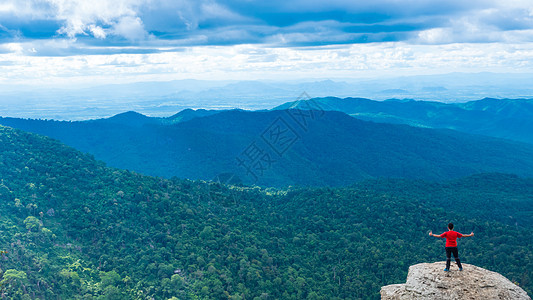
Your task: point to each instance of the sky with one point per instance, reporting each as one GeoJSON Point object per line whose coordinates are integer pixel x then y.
{"type": "Point", "coordinates": [71, 42]}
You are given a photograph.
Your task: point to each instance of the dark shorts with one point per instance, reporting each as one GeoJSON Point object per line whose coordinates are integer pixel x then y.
{"type": "Point", "coordinates": [450, 251]}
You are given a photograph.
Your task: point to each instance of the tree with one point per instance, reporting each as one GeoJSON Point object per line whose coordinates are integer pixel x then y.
{"type": "Point", "coordinates": [32, 223]}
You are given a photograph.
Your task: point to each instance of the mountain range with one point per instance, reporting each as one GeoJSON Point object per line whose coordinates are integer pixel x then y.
{"type": "Point", "coordinates": [503, 118]}
{"type": "Point", "coordinates": [296, 146]}
{"type": "Point", "coordinates": [162, 98]}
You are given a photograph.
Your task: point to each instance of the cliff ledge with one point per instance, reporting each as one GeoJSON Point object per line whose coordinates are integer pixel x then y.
{"type": "Point", "coordinates": [429, 281]}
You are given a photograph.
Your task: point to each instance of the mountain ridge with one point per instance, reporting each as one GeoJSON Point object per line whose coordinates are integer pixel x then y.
{"type": "Point", "coordinates": [502, 118]}
{"type": "Point", "coordinates": [330, 148]}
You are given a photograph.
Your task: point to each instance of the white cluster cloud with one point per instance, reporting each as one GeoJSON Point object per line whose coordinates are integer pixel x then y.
{"type": "Point", "coordinates": [97, 31]}
{"type": "Point", "coordinates": [99, 18]}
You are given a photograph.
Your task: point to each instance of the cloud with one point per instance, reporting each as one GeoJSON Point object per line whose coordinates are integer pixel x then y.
{"type": "Point", "coordinates": [129, 27]}
{"type": "Point", "coordinates": [53, 19]}
{"type": "Point", "coordinates": [501, 22]}
{"type": "Point", "coordinates": [258, 62]}
{"type": "Point", "coordinates": [97, 31]}
{"type": "Point", "coordinates": [290, 23]}
{"type": "Point", "coordinates": [177, 23]}
{"type": "Point", "coordinates": [487, 26]}
{"type": "Point", "coordinates": [99, 18]}
{"type": "Point", "coordinates": [222, 38]}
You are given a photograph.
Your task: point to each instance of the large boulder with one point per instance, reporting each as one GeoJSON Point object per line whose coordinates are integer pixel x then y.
{"type": "Point", "coordinates": [430, 281]}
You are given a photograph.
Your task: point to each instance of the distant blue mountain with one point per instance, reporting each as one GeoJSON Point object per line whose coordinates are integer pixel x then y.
{"type": "Point", "coordinates": [130, 118]}
{"type": "Point", "coordinates": [285, 147]}
{"type": "Point", "coordinates": [502, 118]}
{"type": "Point", "coordinates": [188, 114]}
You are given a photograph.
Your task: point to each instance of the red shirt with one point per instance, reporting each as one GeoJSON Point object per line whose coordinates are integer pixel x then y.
{"type": "Point", "coordinates": [451, 238]}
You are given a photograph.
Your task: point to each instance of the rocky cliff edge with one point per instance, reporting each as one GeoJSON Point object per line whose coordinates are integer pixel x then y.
{"type": "Point", "coordinates": [430, 281]}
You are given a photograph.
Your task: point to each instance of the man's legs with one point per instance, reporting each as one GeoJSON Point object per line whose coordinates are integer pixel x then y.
{"type": "Point", "coordinates": [448, 257]}
{"type": "Point", "coordinates": [456, 255]}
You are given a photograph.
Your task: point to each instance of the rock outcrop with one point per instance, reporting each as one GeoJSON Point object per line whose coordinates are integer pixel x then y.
{"type": "Point", "coordinates": [430, 281]}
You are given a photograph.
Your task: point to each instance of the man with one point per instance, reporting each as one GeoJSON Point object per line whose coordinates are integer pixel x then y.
{"type": "Point", "coordinates": [451, 245]}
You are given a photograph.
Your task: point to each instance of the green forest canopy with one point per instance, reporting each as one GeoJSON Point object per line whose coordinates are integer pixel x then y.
{"type": "Point", "coordinates": [76, 229]}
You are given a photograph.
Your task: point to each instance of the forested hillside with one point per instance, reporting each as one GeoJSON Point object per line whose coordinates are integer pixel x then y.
{"type": "Point", "coordinates": [503, 118]}
{"type": "Point", "coordinates": [282, 148]}
{"type": "Point", "coordinates": [72, 228]}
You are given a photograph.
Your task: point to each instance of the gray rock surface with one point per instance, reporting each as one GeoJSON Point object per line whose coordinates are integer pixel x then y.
{"type": "Point", "coordinates": [429, 281]}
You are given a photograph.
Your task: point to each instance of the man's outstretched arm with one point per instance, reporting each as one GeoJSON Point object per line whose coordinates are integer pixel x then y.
{"type": "Point", "coordinates": [435, 235]}
{"type": "Point", "coordinates": [469, 235]}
